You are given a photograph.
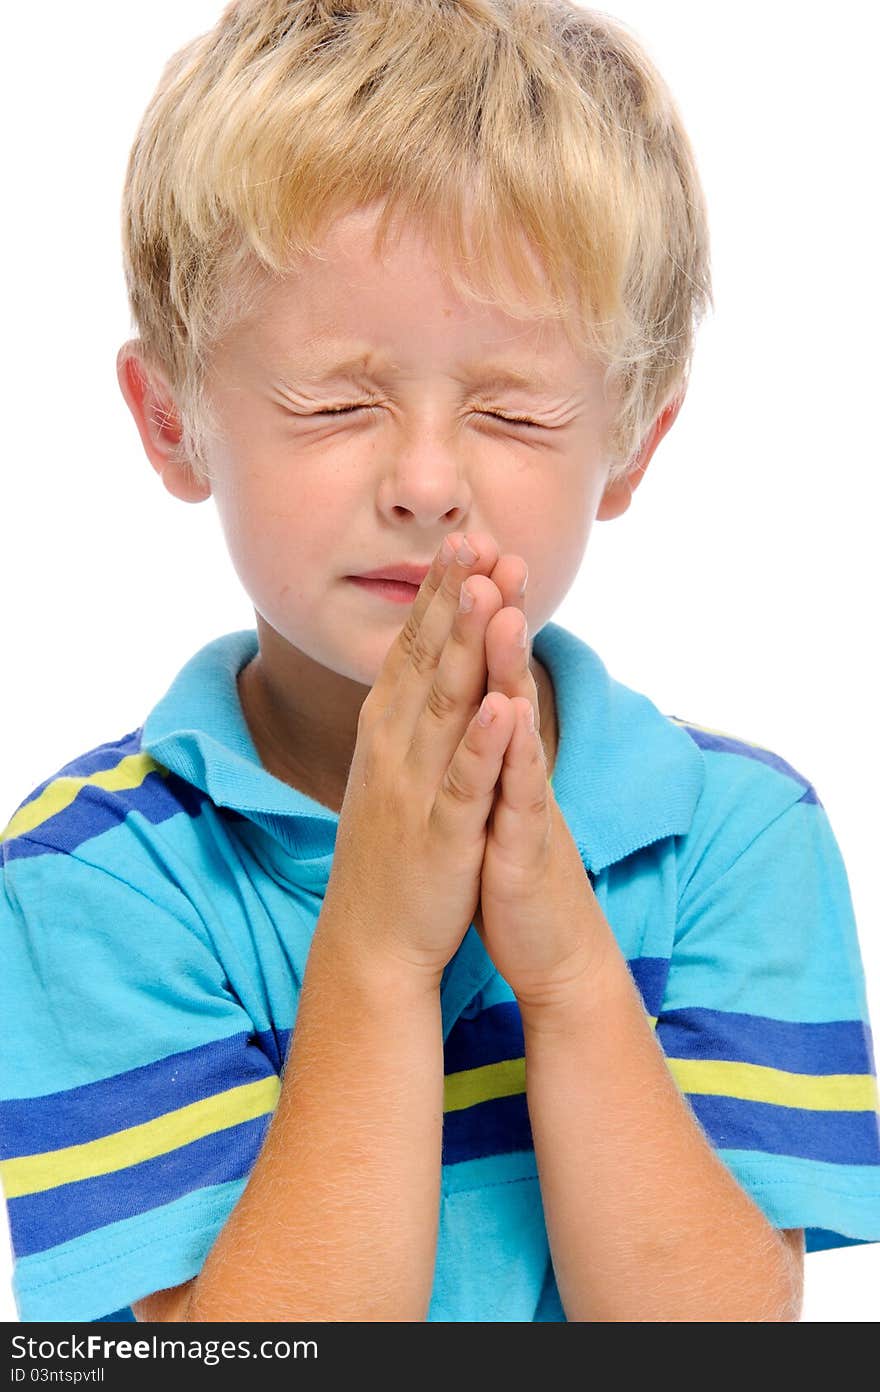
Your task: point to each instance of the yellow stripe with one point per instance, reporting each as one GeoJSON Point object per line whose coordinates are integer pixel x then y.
{"type": "Point", "coordinates": [29, 1174]}
{"type": "Point", "coordinates": [473, 1085]}
{"type": "Point", "coordinates": [130, 772]}
{"type": "Point", "coordinates": [836, 1092]}
{"type": "Point", "coordinates": [831, 1092]}
{"type": "Point", "coordinates": [725, 734]}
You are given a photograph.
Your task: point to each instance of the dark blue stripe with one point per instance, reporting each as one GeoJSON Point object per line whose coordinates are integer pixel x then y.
{"type": "Point", "coordinates": [488, 1128]}
{"type": "Point", "coordinates": [275, 1043]}
{"type": "Point", "coordinates": [34, 1125]}
{"type": "Point", "coordinates": [834, 1046]}
{"type": "Point", "coordinates": [40, 1221]}
{"type": "Point", "coordinates": [103, 756]}
{"type": "Point", "coordinates": [819, 1239]}
{"type": "Point", "coordinates": [496, 1033]}
{"type": "Point", "coordinates": [726, 744]}
{"type": "Point", "coordinates": [493, 1035]}
{"type": "Point", "coordinates": [95, 810]}
{"type": "Point", "coordinates": [650, 974]}
{"type": "Point", "coordinates": [844, 1138]}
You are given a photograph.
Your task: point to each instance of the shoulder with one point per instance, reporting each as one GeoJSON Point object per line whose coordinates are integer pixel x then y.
{"type": "Point", "coordinates": [732, 760]}
{"type": "Point", "coordinates": [107, 874]}
{"type": "Point", "coordinates": [746, 787]}
{"type": "Point", "coordinates": [111, 809]}
{"type": "Point", "coordinates": [93, 792]}
{"type": "Point", "coordinates": [116, 856]}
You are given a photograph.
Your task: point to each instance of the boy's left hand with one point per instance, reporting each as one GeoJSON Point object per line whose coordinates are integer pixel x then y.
{"type": "Point", "coordinates": [538, 917]}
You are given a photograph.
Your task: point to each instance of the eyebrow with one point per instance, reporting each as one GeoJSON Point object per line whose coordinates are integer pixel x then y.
{"type": "Point", "coordinates": [497, 375]}
{"type": "Point", "coordinates": [478, 373]}
{"type": "Point", "coordinates": [325, 365]}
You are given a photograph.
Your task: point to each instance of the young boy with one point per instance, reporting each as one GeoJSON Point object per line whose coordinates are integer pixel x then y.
{"type": "Point", "coordinates": [324, 999]}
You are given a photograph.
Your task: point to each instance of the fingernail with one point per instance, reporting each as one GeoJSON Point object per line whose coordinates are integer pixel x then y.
{"type": "Point", "coordinates": [466, 554]}
{"type": "Point", "coordinates": [525, 581]}
{"type": "Point", "coordinates": [524, 635]}
{"type": "Point", "coordinates": [465, 599]}
{"type": "Point", "coordinates": [485, 714]}
{"type": "Point", "coordinates": [531, 716]}
{"type": "Point", "coordinates": [445, 553]}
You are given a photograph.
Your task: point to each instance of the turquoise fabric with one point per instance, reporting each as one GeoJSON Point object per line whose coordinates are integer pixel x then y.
{"type": "Point", "coordinates": [160, 893]}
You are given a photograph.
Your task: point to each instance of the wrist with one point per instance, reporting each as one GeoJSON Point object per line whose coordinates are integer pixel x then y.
{"type": "Point", "coordinates": [585, 997]}
{"type": "Point", "coordinates": [380, 975]}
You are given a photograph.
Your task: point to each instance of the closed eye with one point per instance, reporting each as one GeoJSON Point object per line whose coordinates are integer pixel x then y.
{"type": "Point", "coordinates": [513, 420]}
{"type": "Point", "coordinates": [493, 415]}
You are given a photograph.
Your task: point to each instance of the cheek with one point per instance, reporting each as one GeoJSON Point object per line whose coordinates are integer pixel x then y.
{"type": "Point", "coordinates": [553, 525]}
{"type": "Point", "coordinates": [555, 550]}
{"type": "Point", "coordinates": [279, 530]}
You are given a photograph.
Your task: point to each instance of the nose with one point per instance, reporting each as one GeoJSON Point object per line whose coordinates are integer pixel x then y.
{"type": "Point", "coordinates": [426, 480]}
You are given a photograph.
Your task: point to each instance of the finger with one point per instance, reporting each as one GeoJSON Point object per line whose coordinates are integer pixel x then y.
{"type": "Point", "coordinates": [520, 819]}
{"type": "Point", "coordinates": [507, 659]}
{"type": "Point", "coordinates": [458, 685]}
{"type": "Point", "coordinates": [415, 652]}
{"type": "Point", "coordinates": [467, 788]}
{"type": "Point", "coordinates": [510, 575]}
{"type": "Point", "coordinates": [425, 645]}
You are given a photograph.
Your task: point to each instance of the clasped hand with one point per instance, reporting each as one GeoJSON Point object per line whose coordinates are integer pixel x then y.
{"type": "Point", "coordinates": [538, 917]}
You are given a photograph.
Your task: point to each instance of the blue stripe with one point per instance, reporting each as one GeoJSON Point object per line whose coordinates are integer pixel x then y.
{"type": "Point", "coordinates": [819, 1239]}
{"type": "Point", "coordinates": [42, 1220]}
{"type": "Point", "coordinates": [726, 744]}
{"type": "Point", "coordinates": [650, 975]}
{"type": "Point", "coordinates": [97, 760]}
{"type": "Point", "coordinates": [844, 1138]}
{"type": "Point", "coordinates": [836, 1046]}
{"type": "Point", "coordinates": [95, 810]}
{"type": "Point", "coordinates": [493, 1035]}
{"type": "Point", "coordinates": [275, 1042]}
{"type": "Point", "coordinates": [496, 1033]}
{"type": "Point", "coordinates": [34, 1125]}
{"type": "Point", "coordinates": [488, 1128]}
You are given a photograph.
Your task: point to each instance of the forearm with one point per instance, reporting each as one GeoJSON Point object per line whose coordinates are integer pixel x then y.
{"type": "Point", "coordinates": [645, 1222]}
{"type": "Point", "coordinates": [339, 1217]}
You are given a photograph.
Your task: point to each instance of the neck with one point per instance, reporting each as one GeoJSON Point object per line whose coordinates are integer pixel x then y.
{"type": "Point", "coordinates": [309, 744]}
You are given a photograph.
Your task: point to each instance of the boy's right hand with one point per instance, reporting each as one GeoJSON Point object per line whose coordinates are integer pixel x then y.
{"type": "Point", "coordinates": [405, 879]}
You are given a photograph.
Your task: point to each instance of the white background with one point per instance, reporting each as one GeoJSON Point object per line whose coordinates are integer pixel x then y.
{"type": "Point", "coordinates": [738, 592]}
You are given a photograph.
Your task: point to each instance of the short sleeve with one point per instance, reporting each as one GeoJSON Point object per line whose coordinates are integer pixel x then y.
{"type": "Point", "coordinates": [134, 1091]}
{"type": "Point", "coordinates": [764, 1023]}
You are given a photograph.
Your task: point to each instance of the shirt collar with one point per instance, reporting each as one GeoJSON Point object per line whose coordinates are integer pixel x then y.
{"type": "Point", "coordinates": [625, 774]}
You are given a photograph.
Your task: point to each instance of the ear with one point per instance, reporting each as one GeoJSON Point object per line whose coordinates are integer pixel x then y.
{"type": "Point", "coordinates": [618, 496]}
{"type": "Point", "coordinates": [158, 421]}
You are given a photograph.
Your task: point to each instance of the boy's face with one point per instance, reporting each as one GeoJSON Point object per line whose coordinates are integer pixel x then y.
{"type": "Point", "coordinates": [307, 500]}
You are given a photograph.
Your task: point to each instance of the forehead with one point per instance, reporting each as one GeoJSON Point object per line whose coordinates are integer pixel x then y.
{"type": "Point", "coordinates": [328, 358]}
{"type": "Point", "coordinates": [350, 311]}
{"type": "Point", "coordinates": [347, 272]}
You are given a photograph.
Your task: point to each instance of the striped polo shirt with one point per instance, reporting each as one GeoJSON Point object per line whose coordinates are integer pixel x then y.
{"type": "Point", "coordinates": [160, 893]}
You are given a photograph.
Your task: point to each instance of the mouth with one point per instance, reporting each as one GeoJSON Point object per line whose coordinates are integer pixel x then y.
{"type": "Point", "coordinates": [397, 591]}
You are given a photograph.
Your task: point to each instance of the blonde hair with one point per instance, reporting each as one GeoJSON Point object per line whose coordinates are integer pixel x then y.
{"type": "Point", "coordinates": [521, 119]}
